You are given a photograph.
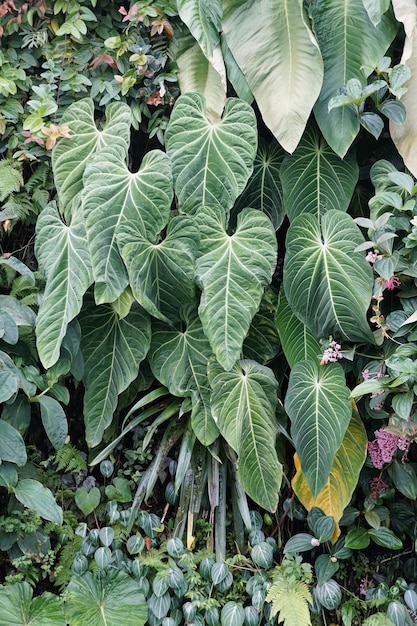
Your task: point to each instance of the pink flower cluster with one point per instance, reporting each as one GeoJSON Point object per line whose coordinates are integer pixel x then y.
{"type": "Point", "coordinates": [371, 257]}
{"type": "Point", "coordinates": [332, 353]}
{"type": "Point", "coordinates": [377, 486]}
{"type": "Point", "coordinates": [383, 448]}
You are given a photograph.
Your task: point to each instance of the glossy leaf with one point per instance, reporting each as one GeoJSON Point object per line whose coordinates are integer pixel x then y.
{"type": "Point", "coordinates": [319, 408]}
{"type": "Point", "coordinates": [211, 163]}
{"type": "Point", "coordinates": [244, 402]}
{"type": "Point", "coordinates": [63, 257]}
{"type": "Point", "coordinates": [141, 198]}
{"type": "Point", "coordinates": [113, 349]}
{"type": "Point", "coordinates": [343, 477]}
{"type": "Point", "coordinates": [314, 179]}
{"type": "Point", "coordinates": [161, 273]}
{"type": "Point", "coordinates": [178, 358]}
{"type": "Point", "coordinates": [34, 495]}
{"type": "Point", "coordinates": [263, 190]}
{"type": "Point", "coordinates": [352, 51]}
{"type": "Point", "coordinates": [297, 340]}
{"type": "Point", "coordinates": [12, 446]}
{"type": "Point", "coordinates": [233, 271]}
{"type": "Point", "coordinates": [54, 420]}
{"type": "Point", "coordinates": [328, 285]}
{"type": "Point", "coordinates": [287, 91]}
{"type": "Point", "coordinates": [70, 156]}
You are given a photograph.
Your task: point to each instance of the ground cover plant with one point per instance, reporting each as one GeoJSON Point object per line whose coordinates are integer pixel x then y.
{"type": "Point", "coordinates": [208, 312]}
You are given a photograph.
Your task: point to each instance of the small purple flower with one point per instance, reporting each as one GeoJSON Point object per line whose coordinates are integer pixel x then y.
{"type": "Point", "coordinates": [384, 447]}
{"type": "Point", "coordinates": [332, 353]}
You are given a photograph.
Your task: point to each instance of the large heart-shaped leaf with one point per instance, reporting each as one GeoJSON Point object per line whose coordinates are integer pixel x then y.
{"type": "Point", "coordinates": [262, 341]}
{"type": "Point", "coordinates": [277, 31]}
{"type": "Point", "coordinates": [263, 190]}
{"type": "Point", "coordinates": [244, 402]}
{"type": "Point", "coordinates": [233, 271]}
{"type": "Point", "coordinates": [211, 163]}
{"type": "Point", "coordinates": [343, 477]}
{"type": "Point", "coordinates": [17, 608]}
{"type": "Point", "coordinates": [113, 349]}
{"type": "Point", "coordinates": [328, 285]}
{"type": "Point", "coordinates": [298, 342]}
{"type": "Point", "coordinates": [142, 198]}
{"type": "Point", "coordinates": [314, 179]}
{"type": "Point", "coordinates": [318, 404]}
{"type": "Point", "coordinates": [351, 47]}
{"type": "Point", "coordinates": [63, 257]}
{"type": "Point", "coordinates": [179, 358]}
{"type": "Point", "coordinates": [161, 275]}
{"type": "Point", "coordinates": [70, 156]}
{"type": "Point", "coordinates": [105, 599]}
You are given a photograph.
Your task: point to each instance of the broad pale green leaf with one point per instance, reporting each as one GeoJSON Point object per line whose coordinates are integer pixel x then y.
{"type": "Point", "coordinates": [343, 477]}
{"type": "Point", "coordinates": [64, 259]}
{"type": "Point", "coordinates": [34, 495]}
{"type": "Point", "coordinates": [54, 421]}
{"type": "Point", "coordinates": [264, 191]}
{"type": "Point", "coordinates": [204, 19]}
{"type": "Point", "coordinates": [161, 274]}
{"type": "Point", "coordinates": [70, 156]}
{"type": "Point", "coordinates": [297, 341]}
{"type": "Point", "coordinates": [287, 87]}
{"type": "Point", "coordinates": [17, 608]}
{"type": "Point", "coordinates": [21, 314]}
{"type": "Point", "coordinates": [405, 135]}
{"type": "Point", "coordinates": [9, 378]}
{"type": "Point", "coordinates": [113, 349]}
{"type": "Point", "coordinates": [178, 358]}
{"type": "Point", "coordinates": [376, 9]}
{"type": "Point", "coordinates": [314, 179]}
{"type": "Point", "coordinates": [142, 199]}
{"type": "Point", "coordinates": [351, 47]}
{"type": "Point", "coordinates": [233, 271]}
{"type": "Point", "coordinates": [105, 599]}
{"type": "Point", "coordinates": [12, 446]}
{"type": "Point", "coordinates": [235, 74]}
{"type": "Point", "coordinates": [211, 162]}
{"type": "Point", "coordinates": [327, 284]}
{"type": "Point", "coordinates": [319, 408]}
{"type": "Point", "coordinates": [244, 402]}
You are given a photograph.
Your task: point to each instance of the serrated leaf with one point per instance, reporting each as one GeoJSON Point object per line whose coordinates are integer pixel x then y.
{"type": "Point", "coordinates": [70, 156]}
{"type": "Point", "coordinates": [264, 191]}
{"type": "Point", "coordinates": [211, 163]}
{"type": "Point", "coordinates": [244, 402]}
{"type": "Point", "coordinates": [319, 408]}
{"type": "Point", "coordinates": [328, 285]}
{"type": "Point", "coordinates": [161, 273]}
{"type": "Point", "coordinates": [352, 51]}
{"type": "Point", "coordinates": [54, 421]}
{"type": "Point", "coordinates": [64, 258]}
{"type": "Point", "coordinates": [34, 495]}
{"type": "Point", "coordinates": [291, 602]}
{"type": "Point", "coordinates": [141, 199]}
{"type": "Point", "coordinates": [343, 476]}
{"type": "Point", "coordinates": [178, 358]}
{"type": "Point", "coordinates": [314, 179]}
{"type": "Point", "coordinates": [233, 271]}
{"type": "Point", "coordinates": [113, 349]}
{"type": "Point", "coordinates": [285, 93]}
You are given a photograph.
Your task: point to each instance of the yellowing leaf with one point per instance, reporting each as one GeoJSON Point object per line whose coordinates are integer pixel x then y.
{"type": "Point", "coordinates": [337, 492]}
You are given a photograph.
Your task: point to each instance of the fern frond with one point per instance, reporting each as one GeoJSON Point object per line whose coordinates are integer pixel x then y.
{"type": "Point", "coordinates": [290, 601]}
{"type": "Point", "coordinates": [70, 460]}
{"type": "Point", "coordinates": [38, 179]}
{"type": "Point", "coordinates": [379, 619]}
{"type": "Point", "coordinates": [21, 206]}
{"type": "Point", "coordinates": [66, 557]}
{"type": "Point", "coordinates": [11, 178]}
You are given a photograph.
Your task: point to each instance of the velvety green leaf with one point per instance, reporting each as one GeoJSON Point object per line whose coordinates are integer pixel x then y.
{"type": "Point", "coordinates": [235, 74]}
{"type": "Point", "coordinates": [351, 47]}
{"type": "Point", "coordinates": [329, 594]}
{"type": "Point", "coordinates": [70, 156]}
{"type": "Point", "coordinates": [211, 163]}
{"type": "Point", "coordinates": [178, 358]}
{"type": "Point", "coordinates": [17, 608]}
{"type": "Point", "coordinates": [373, 123]}
{"type": "Point", "coordinates": [244, 402]}
{"type": "Point", "coordinates": [262, 342]}
{"type": "Point", "coordinates": [9, 378]}
{"type": "Point", "coordinates": [142, 199]}
{"type": "Point", "coordinates": [34, 495]}
{"type": "Point", "coordinates": [63, 257]}
{"type": "Point", "coordinates": [319, 408]}
{"type": "Point", "coordinates": [9, 332]}
{"type": "Point", "coordinates": [87, 500]}
{"type": "Point", "coordinates": [301, 542]}
{"type": "Point", "coordinates": [105, 599]}
{"type": "Point", "coordinates": [113, 349]}
{"type": "Point", "coordinates": [314, 179]}
{"type": "Point", "coordinates": [386, 538]}
{"type": "Point", "coordinates": [263, 190]}
{"type": "Point", "coordinates": [8, 475]}
{"type": "Point", "coordinates": [376, 9]}
{"type": "Point", "coordinates": [297, 341]}
{"type": "Point", "coordinates": [233, 271]}
{"type": "Point", "coordinates": [54, 421]}
{"type": "Point", "coordinates": [357, 539]}
{"type": "Point", "coordinates": [161, 274]}
{"type": "Point", "coordinates": [12, 446]}
{"type": "Point", "coordinates": [22, 314]}
{"type": "Point", "coordinates": [404, 478]}
{"type": "Point", "coordinates": [328, 285]}
{"type": "Point", "coordinates": [277, 31]}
